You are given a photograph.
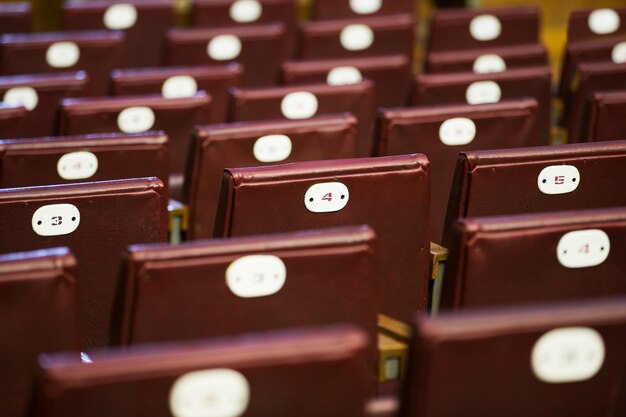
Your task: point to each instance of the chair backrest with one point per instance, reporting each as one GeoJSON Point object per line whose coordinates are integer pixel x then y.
{"type": "Point", "coordinates": [330, 9]}
{"type": "Point", "coordinates": [593, 77]}
{"type": "Point", "coordinates": [254, 284]}
{"type": "Point", "coordinates": [40, 94]}
{"type": "Point", "coordinates": [304, 102]}
{"type": "Point", "coordinates": [245, 144]}
{"type": "Point", "coordinates": [541, 257]}
{"type": "Point", "coordinates": [606, 117]}
{"type": "Point", "coordinates": [139, 114]}
{"type": "Point", "coordinates": [71, 159]}
{"type": "Point", "coordinates": [391, 194]}
{"type": "Point", "coordinates": [532, 180]}
{"type": "Point", "coordinates": [12, 120]}
{"type": "Point", "coordinates": [358, 37]}
{"type": "Point", "coordinates": [441, 132]}
{"type": "Point", "coordinates": [459, 29]}
{"type": "Point", "coordinates": [309, 373]}
{"type": "Point", "coordinates": [594, 24]}
{"type": "Point", "coordinates": [215, 14]}
{"type": "Point", "coordinates": [568, 357]}
{"type": "Point", "coordinates": [97, 221]}
{"type": "Point", "coordinates": [143, 22]}
{"type": "Point", "coordinates": [392, 75]}
{"type": "Point", "coordinates": [15, 17]}
{"type": "Point", "coordinates": [601, 50]}
{"type": "Point", "coordinates": [259, 48]}
{"type": "Point", "coordinates": [179, 82]}
{"type": "Point", "coordinates": [39, 313]}
{"type": "Point", "coordinates": [489, 88]}
{"type": "Point", "coordinates": [95, 52]}
{"type": "Point", "coordinates": [485, 59]}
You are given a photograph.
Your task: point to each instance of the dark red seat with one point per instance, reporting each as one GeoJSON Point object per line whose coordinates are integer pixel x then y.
{"type": "Point", "coordinates": [214, 148]}
{"type": "Point", "coordinates": [95, 52]}
{"type": "Point", "coordinates": [97, 221]}
{"type": "Point", "coordinates": [39, 314]}
{"type": "Point", "coordinates": [391, 194]}
{"type": "Point", "coordinates": [441, 132]}
{"type": "Point", "coordinates": [143, 22]}
{"type": "Point", "coordinates": [568, 357]}
{"type": "Point", "coordinates": [304, 102]}
{"type": "Point", "coordinates": [40, 95]}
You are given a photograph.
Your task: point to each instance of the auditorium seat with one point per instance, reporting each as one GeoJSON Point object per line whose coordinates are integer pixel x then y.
{"type": "Point", "coordinates": [285, 280]}
{"type": "Point", "coordinates": [592, 77]}
{"type": "Point", "coordinates": [342, 9]}
{"type": "Point", "coordinates": [489, 88]}
{"type": "Point", "coordinates": [139, 114]}
{"type": "Point", "coordinates": [391, 194]}
{"type": "Point", "coordinates": [603, 50]}
{"type": "Point", "coordinates": [216, 147]}
{"type": "Point", "coordinates": [178, 82]}
{"type": "Point", "coordinates": [228, 13]}
{"type": "Point", "coordinates": [606, 117]}
{"type": "Point", "coordinates": [442, 131]}
{"type": "Point", "coordinates": [462, 29]}
{"type": "Point", "coordinates": [72, 159]}
{"type": "Point", "coordinates": [143, 22]}
{"type": "Point", "coordinates": [95, 52]}
{"type": "Point", "coordinates": [279, 374]}
{"type": "Point", "coordinates": [482, 60]}
{"type": "Point", "coordinates": [304, 102]}
{"type": "Point", "coordinates": [594, 24]}
{"type": "Point", "coordinates": [357, 37]}
{"type": "Point", "coordinates": [391, 74]}
{"type": "Point", "coordinates": [568, 358]}
{"type": "Point", "coordinates": [12, 120]}
{"type": "Point", "coordinates": [573, 255]}
{"type": "Point", "coordinates": [259, 48]}
{"type": "Point", "coordinates": [540, 179]}
{"type": "Point", "coordinates": [593, 35]}
{"type": "Point", "coordinates": [15, 17]}
{"type": "Point", "coordinates": [97, 221]}
{"type": "Point", "coordinates": [39, 313]}
{"type": "Point", "coordinates": [40, 95]}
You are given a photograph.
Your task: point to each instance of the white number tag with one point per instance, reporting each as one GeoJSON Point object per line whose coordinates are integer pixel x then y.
{"type": "Point", "coordinates": [55, 220]}
{"type": "Point", "coordinates": [485, 27]}
{"type": "Point", "coordinates": [120, 16]}
{"type": "Point", "coordinates": [23, 96]}
{"type": "Point", "coordinates": [272, 148]}
{"type": "Point", "coordinates": [179, 86]}
{"type": "Point", "coordinates": [77, 165]}
{"type": "Point", "coordinates": [136, 120]}
{"type": "Point", "coordinates": [603, 21]}
{"type": "Point", "coordinates": [256, 276]}
{"type": "Point", "coordinates": [245, 11]}
{"type": "Point", "coordinates": [558, 179]}
{"type": "Point", "coordinates": [482, 92]}
{"type": "Point", "coordinates": [457, 131]}
{"type": "Point", "coordinates": [210, 393]}
{"type": "Point", "coordinates": [366, 6]}
{"type": "Point", "coordinates": [618, 54]}
{"type": "Point", "coordinates": [583, 248]}
{"type": "Point", "coordinates": [62, 54]}
{"type": "Point", "coordinates": [344, 76]}
{"type": "Point", "coordinates": [356, 37]}
{"type": "Point", "coordinates": [568, 354]}
{"type": "Point", "coordinates": [224, 47]}
{"type": "Point", "coordinates": [326, 197]}
{"type": "Point", "coordinates": [489, 63]}
{"type": "Point", "coordinates": [299, 105]}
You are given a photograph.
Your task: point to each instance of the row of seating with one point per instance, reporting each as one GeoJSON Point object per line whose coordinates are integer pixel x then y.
{"type": "Point", "coordinates": [313, 297]}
